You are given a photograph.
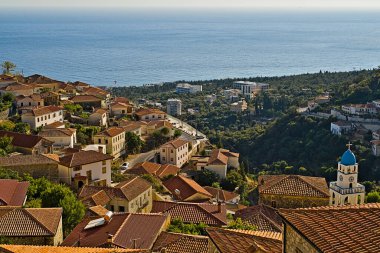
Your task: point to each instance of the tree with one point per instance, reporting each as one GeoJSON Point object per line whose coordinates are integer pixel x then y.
{"type": "Point", "coordinates": [8, 67]}
{"type": "Point", "coordinates": [206, 177]}
{"type": "Point", "coordinates": [165, 131]}
{"type": "Point", "coordinates": [233, 180]}
{"type": "Point", "coordinates": [22, 127]}
{"type": "Point", "coordinates": [9, 174]}
{"type": "Point", "coordinates": [373, 197]}
{"type": "Point", "coordinates": [177, 226]}
{"type": "Point", "coordinates": [5, 145]}
{"type": "Point", "coordinates": [240, 224]}
{"type": "Point", "coordinates": [133, 143]}
{"type": "Point", "coordinates": [177, 133]}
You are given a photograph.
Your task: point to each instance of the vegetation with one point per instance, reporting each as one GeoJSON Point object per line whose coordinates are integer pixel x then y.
{"type": "Point", "coordinates": [156, 183]}
{"type": "Point", "coordinates": [240, 224]}
{"type": "Point", "coordinates": [177, 226]}
{"type": "Point", "coordinates": [6, 101]}
{"type": "Point", "coordinates": [8, 67]}
{"type": "Point", "coordinates": [5, 145]}
{"type": "Point", "coordinates": [133, 143]}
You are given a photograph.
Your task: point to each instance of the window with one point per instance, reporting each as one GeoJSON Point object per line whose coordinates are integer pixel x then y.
{"type": "Point", "coordinates": [54, 115]}
{"type": "Point", "coordinates": [22, 104]}
{"type": "Point", "coordinates": [106, 141]}
{"type": "Point", "coordinates": [163, 150]}
{"type": "Point", "coordinates": [171, 159]}
{"type": "Point", "coordinates": [121, 209]}
{"type": "Point", "coordinates": [163, 158]}
{"type": "Point", "coordinates": [104, 170]}
{"type": "Point", "coordinates": [104, 162]}
{"type": "Point", "coordinates": [171, 151]}
{"type": "Point", "coordinates": [273, 204]}
{"type": "Point", "coordinates": [99, 141]}
{"type": "Point", "coordinates": [89, 175]}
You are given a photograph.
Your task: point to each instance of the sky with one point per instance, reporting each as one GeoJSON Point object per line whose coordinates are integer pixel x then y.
{"type": "Point", "coordinates": [373, 5]}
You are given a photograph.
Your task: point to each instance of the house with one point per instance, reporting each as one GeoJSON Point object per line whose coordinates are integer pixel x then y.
{"type": "Point", "coordinates": [238, 241]}
{"type": "Point", "coordinates": [174, 106]}
{"type": "Point", "coordinates": [375, 145]}
{"type": "Point", "coordinates": [186, 88]}
{"type": "Point", "coordinates": [114, 139]}
{"type": "Point", "coordinates": [85, 168]}
{"type": "Point", "coordinates": [346, 189]}
{"type": "Point", "coordinates": [263, 217]}
{"type": "Point", "coordinates": [157, 126]}
{"type": "Point", "coordinates": [292, 191]}
{"type": "Point", "coordinates": [186, 189]}
{"type": "Point", "coordinates": [42, 116]}
{"type": "Point", "coordinates": [33, 100]}
{"type": "Point", "coordinates": [88, 102]}
{"type": "Point", "coordinates": [120, 109]}
{"type": "Point", "coordinates": [61, 137]}
{"type": "Point", "coordinates": [174, 243]}
{"type": "Point", "coordinates": [97, 92]}
{"type": "Point", "coordinates": [341, 229]}
{"type": "Point", "coordinates": [57, 249]}
{"type": "Point", "coordinates": [50, 97]}
{"type": "Point", "coordinates": [175, 152]}
{"type": "Point", "coordinates": [80, 86]}
{"type": "Point", "coordinates": [158, 170]}
{"type": "Point", "coordinates": [13, 192]}
{"type": "Point", "coordinates": [249, 89]}
{"type": "Point", "coordinates": [118, 230]}
{"type": "Point", "coordinates": [231, 94]}
{"type": "Point", "coordinates": [132, 196]}
{"type": "Point", "coordinates": [137, 127]}
{"type": "Point", "coordinates": [148, 114]}
{"type": "Point", "coordinates": [28, 144]}
{"type": "Point", "coordinates": [35, 165]}
{"type": "Point", "coordinates": [18, 89]}
{"type": "Point", "coordinates": [341, 127]}
{"type": "Point", "coordinates": [31, 226]}
{"type": "Point", "coordinates": [220, 195]}
{"type": "Point", "coordinates": [98, 118]}
{"type": "Point", "coordinates": [220, 160]}
{"type": "Point", "coordinates": [239, 106]}
{"type": "Point", "coordinates": [56, 124]}
{"type": "Point", "coordinates": [209, 214]}
{"type": "Point", "coordinates": [359, 109]}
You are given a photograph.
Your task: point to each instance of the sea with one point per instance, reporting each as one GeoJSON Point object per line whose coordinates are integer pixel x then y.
{"type": "Point", "coordinates": [135, 47]}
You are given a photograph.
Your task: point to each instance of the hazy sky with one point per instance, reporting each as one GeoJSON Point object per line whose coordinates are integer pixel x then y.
{"type": "Point", "coordinates": [244, 4]}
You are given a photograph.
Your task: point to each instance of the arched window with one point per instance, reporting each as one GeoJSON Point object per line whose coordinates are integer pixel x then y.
{"type": "Point", "coordinates": [346, 201]}
{"type": "Point", "coordinates": [350, 185]}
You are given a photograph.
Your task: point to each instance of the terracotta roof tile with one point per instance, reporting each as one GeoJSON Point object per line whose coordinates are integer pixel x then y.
{"type": "Point", "coordinates": [265, 218]}
{"type": "Point", "coordinates": [154, 169]}
{"type": "Point", "coordinates": [23, 140]}
{"type": "Point", "coordinates": [175, 143]}
{"type": "Point", "coordinates": [22, 160]}
{"type": "Point", "coordinates": [39, 111]}
{"type": "Point", "coordinates": [352, 228]}
{"type": "Point", "coordinates": [83, 157]}
{"type": "Point", "coordinates": [98, 198]}
{"type": "Point", "coordinates": [124, 227]}
{"type": "Point", "coordinates": [57, 132]}
{"type": "Point", "coordinates": [222, 195]}
{"type": "Point", "coordinates": [181, 243]}
{"type": "Point", "coordinates": [160, 123]}
{"type": "Point", "coordinates": [29, 221]}
{"type": "Point", "coordinates": [230, 241]}
{"type": "Point", "coordinates": [100, 111]}
{"type": "Point", "coordinates": [111, 132]}
{"type": "Point", "coordinates": [293, 185]}
{"type": "Point", "coordinates": [193, 212]}
{"type": "Point", "coordinates": [98, 210]}
{"type": "Point", "coordinates": [186, 187]}
{"type": "Point", "coordinates": [166, 170]}
{"type": "Point", "coordinates": [217, 158]}
{"type": "Point", "coordinates": [57, 124]}
{"type": "Point", "coordinates": [12, 192]}
{"type": "Point", "coordinates": [59, 249]}
{"type": "Point", "coordinates": [85, 98]}
{"type": "Point", "coordinates": [146, 111]}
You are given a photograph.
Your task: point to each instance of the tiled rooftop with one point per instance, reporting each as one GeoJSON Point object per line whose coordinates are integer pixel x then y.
{"type": "Point", "coordinates": [60, 249]}
{"type": "Point", "coordinates": [12, 192]}
{"type": "Point", "coordinates": [181, 243]}
{"type": "Point", "coordinates": [186, 187]}
{"type": "Point", "coordinates": [83, 157]}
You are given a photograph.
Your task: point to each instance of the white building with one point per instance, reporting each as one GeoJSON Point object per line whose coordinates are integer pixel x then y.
{"type": "Point", "coordinates": [346, 190]}
{"type": "Point", "coordinates": [42, 116]}
{"type": "Point", "coordinates": [341, 127]}
{"type": "Point", "coordinates": [239, 106]}
{"type": "Point", "coordinates": [175, 152]}
{"type": "Point", "coordinates": [186, 88]}
{"type": "Point", "coordinates": [376, 103]}
{"type": "Point", "coordinates": [85, 168]}
{"type": "Point", "coordinates": [249, 89]}
{"type": "Point", "coordinates": [220, 160]}
{"type": "Point", "coordinates": [359, 109]}
{"type": "Point", "coordinates": [174, 106]}
{"type": "Point", "coordinates": [61, 137]}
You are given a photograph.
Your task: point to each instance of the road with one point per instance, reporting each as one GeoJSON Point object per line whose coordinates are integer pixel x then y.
{"type": "Point", "coordinates": [142, 157]}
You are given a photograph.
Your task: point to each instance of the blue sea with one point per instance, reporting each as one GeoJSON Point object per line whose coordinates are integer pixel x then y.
{"type": "Point", "coordinates": [146, 46]}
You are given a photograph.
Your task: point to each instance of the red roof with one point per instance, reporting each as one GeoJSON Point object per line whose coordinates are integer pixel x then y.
{"type": "Point", "coordinates": [154, 169]}
{"type": "Point", "coordinates": [186, 187]}
{"type": "Point", "coordinates": [222, 195]}
{"type": "Point", "coordinates": [83, 157]}
{"type": "Point", "coordinates": [182, 243]}
{"type": "Point", "coordinates": [12, 192]}
{"type": "Point", "coordinates": [175, 143]}
{"type": "Point", "coordinates": [24, 140]}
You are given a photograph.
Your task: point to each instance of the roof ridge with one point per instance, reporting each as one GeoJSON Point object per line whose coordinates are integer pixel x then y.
{"type": "Point", "coordinates": [213, 215]}
{"type": "Point", "coordinates": [312, 186]}
{"type": "Point", "coordinates": [120, 227]}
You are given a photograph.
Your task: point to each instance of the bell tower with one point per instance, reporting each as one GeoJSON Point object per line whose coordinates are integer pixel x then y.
{"type": "Point", "coordinates": [346, 190]}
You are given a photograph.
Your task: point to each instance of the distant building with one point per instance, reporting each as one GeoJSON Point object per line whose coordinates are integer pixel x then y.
{"type": "Point", "coordinates": [249, 89]}
{"type": "Point", "coordinates": [376, 135]}
{"type": "Point", "coordinates": [220, 195]}
{"type": "Point", "coordinates": [88, 102]}
{"type": "Point", "coordinates": [239, 106]}
{"type": "Point", "coordinates": [174, 106]}
{"type": "Point", "coordinates": [120, 109]}
{"type": "Point", "coordinates": [29, 101]}
{"type": "Point", "coordinates": [332, 229]}
{"type": "Point", "coordinates": [210, 98]}
{"type": "Point", "coordinates": [220, 160]}
{"type": "Point", "coordinates": [175, 152]}
{"type": "Point", "coordinates": [231, 94]}
{"type": "Point", "coordinates": [341, 127]}
{"type": "Point", "coordinates": [28, 144]}
{"type": "Point", "coordinates": [42, 116]}
{"type": "Point", "coordinates": [98, 118]}
{"type": "Point", "coordinates": [347, 190]}
{"type": "Point", "coordinates": [186, 88]}
{"type": "Point", "coordinates": [292, 191]}
{"type": "Point", "coordinates": [149, 114]}
{"type": "Point", "coordinates": [155, 169]}
{"type": "Point", "coordinates": [359, 109]}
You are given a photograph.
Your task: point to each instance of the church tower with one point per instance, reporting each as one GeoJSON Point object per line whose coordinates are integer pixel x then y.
{"type": "Point", "coordinates": [346, 190]}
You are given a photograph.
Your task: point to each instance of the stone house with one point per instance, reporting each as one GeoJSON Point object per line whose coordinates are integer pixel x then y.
{"type": "Point", "coordinates": [293, 191]}
{"type": "Point", "coordinates": [220, 160]}
{"type": "Point", "coordinates": [32, 100]}
{"type": "Point", "coordinates": [132, 196]}
{"type": "Point", "coordinates": [88, 102]}
{"type": "Point", "coordinates": [28, 144]}
{"type": "Point", "coordinates": [331, 229]}
{"type": "Point", "coordinates": [120, 109]}
{"type": "Point", "coordinates": [114, 139]}
{"type": "Point", "coordinates": [31, 226]}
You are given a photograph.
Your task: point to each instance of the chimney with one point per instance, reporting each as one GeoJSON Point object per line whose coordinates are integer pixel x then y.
{"type": "Point", "coordinates": [109, 238]}
{"type": "Point", "coordinates": [134, 243]}
{"type": "Point", "coordinates": [100, 149]}
{"type": "Point", "coordinates": [219, 207]}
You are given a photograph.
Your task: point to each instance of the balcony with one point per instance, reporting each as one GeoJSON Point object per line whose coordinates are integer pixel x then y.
{"type": "Point", "coordinates": [359, 189]}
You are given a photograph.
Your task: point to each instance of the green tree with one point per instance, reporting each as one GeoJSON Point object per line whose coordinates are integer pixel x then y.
{"type": "Point", "coordinates": [133, 143]}
{"type": "Point", "coordinates": [9, 174]}
{"type": "Point", "coordinates": [22, 127]}
{"type": "Point", "coordinates": [206, 177]}
{"type": "Point", "coordinates": [8, 67]}
{"type": "Point", "coordinates": [5, 145]}
{"type": "Point", "coordinates": [178, 226]}
{"type": "Point", "coordinates": [165, 131]}
{"type": "Point", "coordinates": [240, 224]}
{"type": "Point", "coordinates": [373, 197]}
{"type": "Point", "coordinates": [177, 133]}
{"type": "Point", "coordinates": [233, 180]}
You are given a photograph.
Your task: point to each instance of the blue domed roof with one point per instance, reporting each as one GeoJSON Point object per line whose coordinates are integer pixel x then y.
{"type": "Point", "coordinates": [348, 158]}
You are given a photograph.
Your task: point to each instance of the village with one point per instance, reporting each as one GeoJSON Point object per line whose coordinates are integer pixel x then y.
{"type": "Point", "coordinates": [133, 167]}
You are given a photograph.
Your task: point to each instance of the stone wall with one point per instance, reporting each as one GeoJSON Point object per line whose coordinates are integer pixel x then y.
{"type": "Point", "coordinates": [295, 242]}
{"type": "Point", "coordinates": [282, 201]}
{"type": "Point", "coordinates": [49, 171]}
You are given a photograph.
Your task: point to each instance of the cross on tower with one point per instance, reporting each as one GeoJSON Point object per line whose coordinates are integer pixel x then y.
{"type": "Point", "coordinates": [349, 145]}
